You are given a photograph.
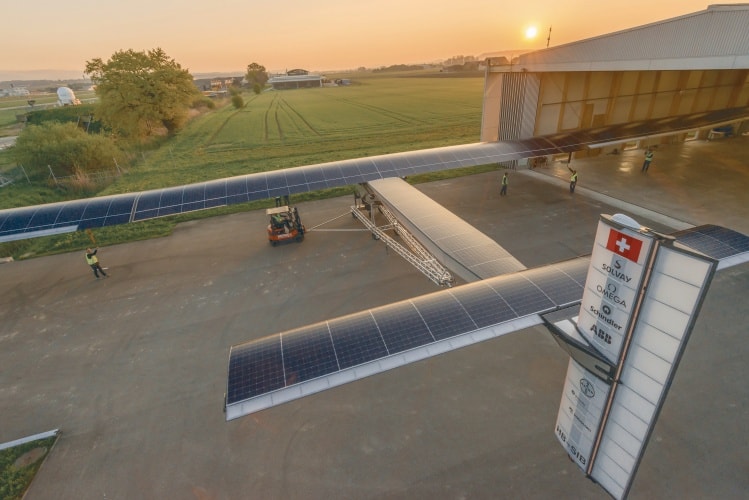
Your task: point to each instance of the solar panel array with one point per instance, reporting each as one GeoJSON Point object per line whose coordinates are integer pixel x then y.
{"type": "Point", "coordinates": [119, 209]}
{"type": "Point", "coordinates": [464, 249]}
{"type": "Point", "coordinates": [323, 349]}
{"type": "Point", "coordinates": [19, 223]}
{"type": "Point", "coordinates": [275, 369]}
{"type": "Point", "coordinates": [726, 245]}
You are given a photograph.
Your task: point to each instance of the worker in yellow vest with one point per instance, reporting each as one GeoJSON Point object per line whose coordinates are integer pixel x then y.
{"type": "Point", "coordinates": [573, 179]}
{"type": "Point", "coordinates": [505, 182]}
{"type": "Point", "coordinates": [648, 158]}
{"type": "Point", "coordinates": [93, 261]}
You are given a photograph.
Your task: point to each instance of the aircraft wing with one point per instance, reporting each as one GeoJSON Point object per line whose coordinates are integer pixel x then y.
{"type": "Point", "coordinates": [63, 217]}
{"type": "Point", "coordinates": [290, 365]}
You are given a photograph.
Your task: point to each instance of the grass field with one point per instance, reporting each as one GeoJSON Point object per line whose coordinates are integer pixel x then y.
{"type": "Point", "coordinates": [307, 126]}
{"type": "Point", "coordinates": [274, 130]}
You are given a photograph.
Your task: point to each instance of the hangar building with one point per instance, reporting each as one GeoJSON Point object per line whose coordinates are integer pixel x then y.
{"type": "Point", "coordinates": [296, 79]}
{"type": "Point", "coordinates": [681, 66]}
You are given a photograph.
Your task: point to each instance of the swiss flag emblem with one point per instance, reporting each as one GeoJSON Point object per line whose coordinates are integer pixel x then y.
{"type": "Point", "coordinates": [624, 245]}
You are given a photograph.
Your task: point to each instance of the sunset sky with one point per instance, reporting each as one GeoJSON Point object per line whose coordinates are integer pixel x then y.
{"type": "Point", "coordinates": [318, 35]}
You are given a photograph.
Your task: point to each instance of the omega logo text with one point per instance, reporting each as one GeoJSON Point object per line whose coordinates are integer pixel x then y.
{"type": "Point", "coordinates": [610, 293]}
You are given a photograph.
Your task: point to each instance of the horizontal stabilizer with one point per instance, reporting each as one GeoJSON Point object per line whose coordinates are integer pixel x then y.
{"type": "Point", "coordinates": [465, 250]}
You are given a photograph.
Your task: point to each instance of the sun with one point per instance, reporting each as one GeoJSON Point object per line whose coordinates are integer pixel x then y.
{"type": "Point", "coordinates": [531, 32]}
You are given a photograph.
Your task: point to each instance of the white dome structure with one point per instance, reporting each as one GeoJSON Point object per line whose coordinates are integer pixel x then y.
{"type": "Point", "coordinates": [66, 97]}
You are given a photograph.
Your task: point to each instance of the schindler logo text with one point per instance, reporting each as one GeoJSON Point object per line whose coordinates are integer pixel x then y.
{"type": "Point", "coordinates": [624, 245]}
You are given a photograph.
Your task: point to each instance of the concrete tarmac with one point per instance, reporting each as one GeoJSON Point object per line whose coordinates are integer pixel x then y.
{"type": "Point", "coordinates": [132, 368]}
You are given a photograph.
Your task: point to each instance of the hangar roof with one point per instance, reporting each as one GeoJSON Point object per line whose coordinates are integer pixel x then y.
{"type": "Point", "coordinates": [715, 38]}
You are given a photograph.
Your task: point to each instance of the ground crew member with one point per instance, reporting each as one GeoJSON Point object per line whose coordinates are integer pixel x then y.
{"type": "Point", "coordinates": [573, 179]}
{"type": "Point", "coordinates": [93, 261]}
{"type": "Point", "coordinates": [505, 181]}
{"type": "Point", "coordinates": [648, 158]}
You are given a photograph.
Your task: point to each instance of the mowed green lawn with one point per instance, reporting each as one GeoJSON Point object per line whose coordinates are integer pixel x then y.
{"type": "Point", "coordinates": [274, 130]}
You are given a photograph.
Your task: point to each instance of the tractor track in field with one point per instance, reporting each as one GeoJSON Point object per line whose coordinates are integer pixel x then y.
{"type": "Point", "coordinates": [291, 110]}
{"type": "Point", "coordinates": [265, 118]}
{"type": "Point", "coordinates": [278, 124]}
{"type": "Point", "coordinates": [277, 107]}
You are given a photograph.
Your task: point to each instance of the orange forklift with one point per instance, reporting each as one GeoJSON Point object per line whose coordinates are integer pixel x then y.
{"type": "Point", "coordinates": [285, 225]}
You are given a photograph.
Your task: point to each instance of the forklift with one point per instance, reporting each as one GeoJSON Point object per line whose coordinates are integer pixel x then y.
{"type": "Point", "coordinates": [285, 225]}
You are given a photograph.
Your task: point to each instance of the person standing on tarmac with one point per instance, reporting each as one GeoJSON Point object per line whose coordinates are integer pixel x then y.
{"type": "Point", "coordinates": [505, 181]}
{"type": "Point", "coordinates": [93, 261]}
{"type": "Point", "coordinates": [648, 158]}
{"type": "Point", "coordinates": [573, 179]}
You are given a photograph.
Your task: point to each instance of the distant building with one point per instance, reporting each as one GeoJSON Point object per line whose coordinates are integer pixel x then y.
{"type": "Point", "coordinates": [296, 79]}
{"type": "Point", "coordinates": [225, 83]}
{"type": "Point", "coordinates": [14, 92]}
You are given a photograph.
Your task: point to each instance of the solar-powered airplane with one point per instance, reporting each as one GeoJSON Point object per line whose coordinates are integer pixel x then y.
{"type": "Point", "coordinates": [624, 313]}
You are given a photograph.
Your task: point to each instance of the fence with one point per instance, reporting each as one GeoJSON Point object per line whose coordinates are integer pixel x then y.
{"type": "Point", "coordinates": [14, 174]}
{"type": "Point", "coordinates": [94, 177]}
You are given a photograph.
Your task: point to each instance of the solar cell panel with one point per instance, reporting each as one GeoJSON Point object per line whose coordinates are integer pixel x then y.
{"type": "Point", "coordinates": [714, 241]}
{"type": "Point", "coordinates": [257, 187]}
{"type": "Point", "coordinates": [385, 166]}
{"type": "Point", "coordinates": [313, 175]}
{"type": "Point", "coordinates": [401, 327]}
{"type": "Point", "coordinates": [523, 295]}
{"type": "Point", "coordinates": [368, 169]}
{"type": "Point", "coordinates": [120, 209]}
{"type": "Point", "coordinates": [95, 213]}
{"type": "Point", "coordinates": [215, 193]}
{"type": "Point", "coordinates": [266, 373]}
{"type": "Point", "coordinates": [308, 354]}
{"type": "Point", "coordinates": [295, 179]}
{"type": "Point", "coordinates": [171, 201]}
{"type": "Point", "coordinates": [43, 218]}
{"type": "Point", "coordinates": [357, 339]}
{"type": "Point", "coordinates": [444, 315]}
{"type": "Point", "coordinates": [194, 197]}
{"type": "Point", "coordinates": [483, 304]}
{"type": "Point", "coordinates": [236, 190]}
{"type": "Point", "coordinates": [67, 213]}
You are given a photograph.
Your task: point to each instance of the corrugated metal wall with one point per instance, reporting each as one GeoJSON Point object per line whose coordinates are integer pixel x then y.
{"type": "Point", "coordinates": [511, 107]}
{"type": "Point", "coordinates": [517, 113]}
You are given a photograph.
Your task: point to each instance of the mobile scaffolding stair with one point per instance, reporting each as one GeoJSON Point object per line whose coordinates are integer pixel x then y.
{"type": "Point", "coordinates": [413, 251]}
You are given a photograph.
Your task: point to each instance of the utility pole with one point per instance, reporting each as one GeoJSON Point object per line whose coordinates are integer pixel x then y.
{"type": "Point", "coordinates": [548, 38]}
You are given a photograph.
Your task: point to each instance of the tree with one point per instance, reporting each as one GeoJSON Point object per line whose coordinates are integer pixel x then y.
{"type": "Point", "coordinates": [256, 76]}
{"type": "Point", "coordinates": [140, 92]}
{"type": "Point", "coordinates": [65, 147]}
{"type": "Point", "coordinates": [236, 100]}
